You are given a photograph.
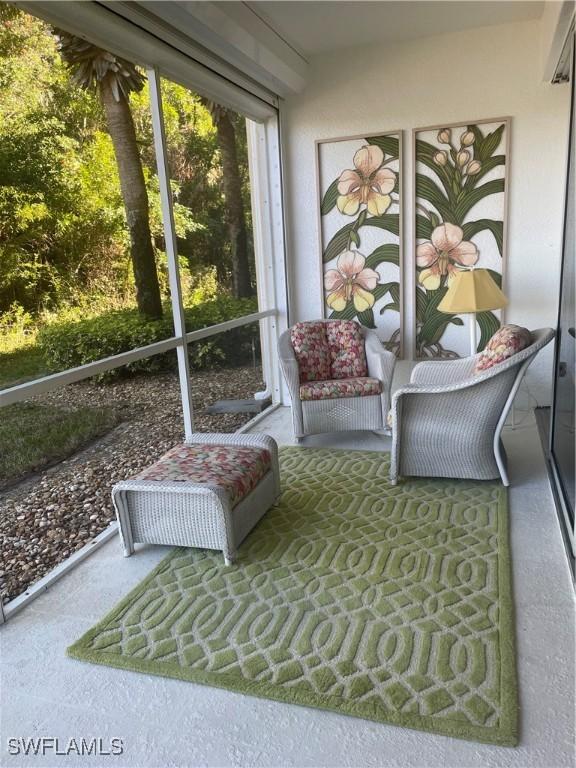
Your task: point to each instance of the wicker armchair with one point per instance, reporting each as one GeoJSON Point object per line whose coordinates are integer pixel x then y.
{"type": "Point", "coordinates": [340, 414]}
{"type": "Point", "coordinates": [447, 422]}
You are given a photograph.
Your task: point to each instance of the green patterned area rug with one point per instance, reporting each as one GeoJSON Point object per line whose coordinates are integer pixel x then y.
{"type": "Point", "coordinates": [387, 603]}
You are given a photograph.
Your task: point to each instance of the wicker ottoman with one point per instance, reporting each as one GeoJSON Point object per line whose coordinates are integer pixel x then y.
{"type": "Point", "coordinates": [208, 492]}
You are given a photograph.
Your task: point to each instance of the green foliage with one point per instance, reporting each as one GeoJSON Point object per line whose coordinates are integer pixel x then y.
{"type": "Point", "coordinates": [59, 199]}
{"type": "Point", "coordinates": [16, 326]}
{"type": "Point", "coordinates": [22, 364]}
{"type": "Point", "coordinates": [63, 235]}
{"type": "Point", "coordinates": [33, 436]}
{"type": "Point", "coordinates": [70, 344]}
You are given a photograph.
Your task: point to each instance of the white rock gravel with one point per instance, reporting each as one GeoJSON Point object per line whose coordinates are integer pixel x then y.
{"type": "Point", "coordinates": [51, 514]}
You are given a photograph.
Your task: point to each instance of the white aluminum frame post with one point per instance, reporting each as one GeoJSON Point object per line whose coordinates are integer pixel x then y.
{"type": "Point", "coordinates": [171, 248]}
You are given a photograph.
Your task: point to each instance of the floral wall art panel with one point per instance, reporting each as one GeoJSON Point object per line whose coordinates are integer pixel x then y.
{"type": "Point", "coordinates": [460, 223]}
{"type": "Point", "coordinates": [360, 231]}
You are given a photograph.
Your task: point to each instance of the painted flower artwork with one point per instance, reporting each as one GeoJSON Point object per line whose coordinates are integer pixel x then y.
{"type": "Point", "coordinates": [460, 191]}
{"type": "Point", "coordinates": [351, 281]}
{"type": "Point", "coordinates": [369, 184]}
{"type": "Point", "coordinates": [359, 183]}
{"type": "Point", "coordinates": [443, 254]}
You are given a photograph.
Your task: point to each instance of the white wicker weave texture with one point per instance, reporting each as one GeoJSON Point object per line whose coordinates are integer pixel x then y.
{"type": "Point", "coordinates": [448, 421]}
{"type": "Point", "coordinates": [192, 514]}
{"type": "Point", "coordinates": [342, 414]}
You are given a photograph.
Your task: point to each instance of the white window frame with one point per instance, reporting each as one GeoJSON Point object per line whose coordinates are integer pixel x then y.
{"type": "Point", "coordinates": [268, 225]}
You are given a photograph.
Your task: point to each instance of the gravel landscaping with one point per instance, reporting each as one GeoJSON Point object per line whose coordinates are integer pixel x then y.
{"type": "Point", "coordinates": [49, 515]}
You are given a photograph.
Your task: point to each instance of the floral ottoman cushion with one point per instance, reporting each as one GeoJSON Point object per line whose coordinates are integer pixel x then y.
{"type": "Point", "coordinates": [235, 468]}
{"type": "Point", "coordinates": [311, 350]}
{"type": "Point", "coordinates": [507, 341]}
{"type": "Point", "coordinates": [336, 388]}
{"type": "Point", "coordinates": [346, 345]}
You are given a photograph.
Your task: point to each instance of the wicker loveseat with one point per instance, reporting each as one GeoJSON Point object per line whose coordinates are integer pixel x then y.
{"type": "Point", "coordinates": [339, 377]}
{"type": "Point", "coordinates": [447, 422]}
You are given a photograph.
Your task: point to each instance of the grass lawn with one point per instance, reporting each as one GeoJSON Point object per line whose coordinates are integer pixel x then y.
{"type": "Point", "coordinates": [21, 365]}
{"type": "Point", "coordinates": [32, 436]}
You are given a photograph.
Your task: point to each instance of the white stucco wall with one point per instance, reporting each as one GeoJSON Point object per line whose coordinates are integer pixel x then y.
{"type": "Point", "coordinates": [475, 74]}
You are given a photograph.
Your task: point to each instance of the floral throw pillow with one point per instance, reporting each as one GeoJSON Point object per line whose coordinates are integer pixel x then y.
{"type": "Point", "coordinates": [311, 351]}
{"type": "Point", "coordinates": [346, 344]}
{"type": "Point", "coordinates": [507, 340]}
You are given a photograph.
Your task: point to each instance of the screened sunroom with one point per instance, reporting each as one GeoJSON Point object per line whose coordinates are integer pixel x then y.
{"type": "Point", "coordinates": [287, 318]}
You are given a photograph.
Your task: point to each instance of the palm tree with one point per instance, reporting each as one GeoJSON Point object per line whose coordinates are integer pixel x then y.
{"type": "Point", "coordinates": [232, 187]}
{"type": "Point", "coordinates": [114, 79]}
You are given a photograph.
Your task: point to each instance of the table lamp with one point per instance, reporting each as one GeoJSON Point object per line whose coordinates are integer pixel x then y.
{"type": "Point", "coordinates": [471, 291]}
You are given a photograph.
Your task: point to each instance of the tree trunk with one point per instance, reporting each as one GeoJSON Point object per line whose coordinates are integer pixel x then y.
{"type": "Point", "coordinates": [133, 187]}
{"type": "Point", "coordinates": [232, 186]}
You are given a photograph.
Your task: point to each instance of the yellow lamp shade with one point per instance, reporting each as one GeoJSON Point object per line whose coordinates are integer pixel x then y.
{"type": "Point", "coordinates": [472, 290]}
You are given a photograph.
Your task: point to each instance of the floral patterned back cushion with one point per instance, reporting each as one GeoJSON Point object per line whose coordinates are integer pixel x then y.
{"type": "Point", "coordinates": [311, 351]}
{"type": "Point", "coordinates": [347, 355]}
{"type": "Point", "coordinates": [507, 340]}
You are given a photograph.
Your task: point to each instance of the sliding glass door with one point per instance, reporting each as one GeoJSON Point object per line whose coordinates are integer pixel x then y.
{"type": "Point", "coordinates": [562, 435]}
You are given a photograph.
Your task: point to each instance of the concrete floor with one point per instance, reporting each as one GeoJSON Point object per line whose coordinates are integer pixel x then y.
{"type": "Point", "coordinates": [167, 723]}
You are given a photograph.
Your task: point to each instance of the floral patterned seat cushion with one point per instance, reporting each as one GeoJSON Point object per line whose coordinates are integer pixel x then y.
{"type": "Point", "coordinates": [336, 388]}
{"type": "Point", "coordinates": [507, 341]}
{"type": "Point", "coordinates": [311, 350]}
{"type": "Point", "coordinates": [236, 468]}
{"type": "Point", "coordinates": [346, 345]}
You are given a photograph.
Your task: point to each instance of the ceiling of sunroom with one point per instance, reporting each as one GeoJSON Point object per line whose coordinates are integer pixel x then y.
{"type": "Point", "coordinates": [321, 27]}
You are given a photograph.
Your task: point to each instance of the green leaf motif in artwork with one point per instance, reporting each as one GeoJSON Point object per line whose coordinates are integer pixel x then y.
{"type": "Point", "coordinates": [330, 198]}
{"type": "Point", "coordinates": [496, 276]}
{"type": "Point", "coordinates": [471, 198]}
{"type": "Point", "coordinates": [384, 254]}
{"type": "Point", "coordinates": [421, 304]}
{"type": "Point", "coordinates": [388, 144]}
{"type": "Point", "coordinates": [487, 166]}
{"type": "Point", "coordinates": [434, 322]}
{"type": "Point", "coordinates": [395, 292]}
{"type": "Point", "coordinates": [388, 221]}
{"type": "Point", "coordinates": [485, 146]}
{"type": "Point", "coordinates": [423, 227]}
{"type": "Point", "coordinates": [394, 305]}
{"type": "Point", "coordinates": [472, 228]}
{"type": "Point", "coordinates": [425, 153]}
{"type": "Point", "coordinates": [367, 318]}
{"type": "Point", "coordinates": [338, 243]}
{"type": "Point", "coordinates": [354, 238]}
{"type": "Point", "coordinates": [489, 324]}
{"type": "Point", "coordinates": [428, 190]}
